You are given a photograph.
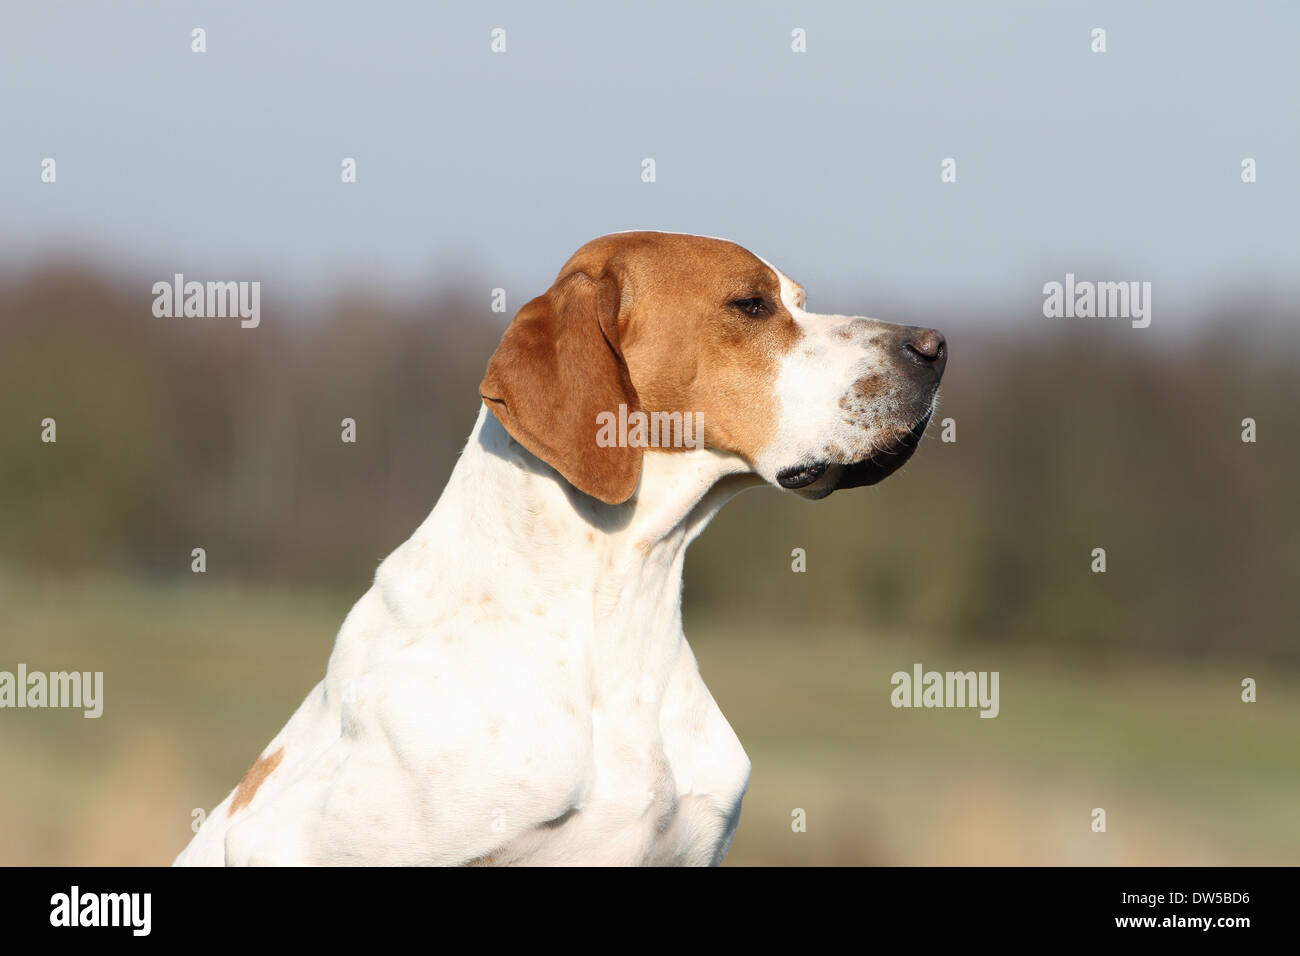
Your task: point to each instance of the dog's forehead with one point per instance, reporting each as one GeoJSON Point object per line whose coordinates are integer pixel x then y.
{"type": "Point", "coordinates": [660, 262]}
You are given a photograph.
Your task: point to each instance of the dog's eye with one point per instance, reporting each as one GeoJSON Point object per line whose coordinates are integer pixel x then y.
{"type": "Point", "coordinates": [756, 306]}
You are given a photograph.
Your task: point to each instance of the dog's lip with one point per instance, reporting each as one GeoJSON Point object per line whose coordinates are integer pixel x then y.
{"type": "Point", "coordinates": [885, 462]}
{"type": "Point", "coordinates": [868, 471]}
{"type": "Point", "coordinates": [801, 476]}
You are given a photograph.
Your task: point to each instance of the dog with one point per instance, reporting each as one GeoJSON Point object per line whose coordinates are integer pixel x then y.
{"type": "Point", "coordinates": [515, 687]}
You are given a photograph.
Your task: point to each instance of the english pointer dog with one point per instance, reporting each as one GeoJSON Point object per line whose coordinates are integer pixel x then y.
{"type": "Point", "coordinates": [533, 700]}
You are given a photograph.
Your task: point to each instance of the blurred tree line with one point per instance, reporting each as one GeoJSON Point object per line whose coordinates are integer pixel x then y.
{"type": "Point", "coordinates": [183, 433]}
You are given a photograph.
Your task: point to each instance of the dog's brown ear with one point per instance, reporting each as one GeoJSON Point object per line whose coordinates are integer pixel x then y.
{"type": "Point", "coordinates": [557, 368]}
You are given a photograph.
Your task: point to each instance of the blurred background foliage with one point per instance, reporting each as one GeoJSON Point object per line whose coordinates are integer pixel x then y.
{"type": "Point", "coordinates": [1119, 689]}
{"type": "Point", "coordinates": [181, 433]}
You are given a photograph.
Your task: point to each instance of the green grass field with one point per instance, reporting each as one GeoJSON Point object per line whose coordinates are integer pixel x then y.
{"type": "Point", "coordinates": [198, 678]}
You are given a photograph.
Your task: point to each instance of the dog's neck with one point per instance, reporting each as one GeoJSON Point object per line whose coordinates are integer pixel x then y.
{"type": "Point", "coordinates": [509, 531]}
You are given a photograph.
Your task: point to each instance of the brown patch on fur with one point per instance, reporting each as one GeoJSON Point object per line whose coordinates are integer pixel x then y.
{"type": "Point", "coordinates": [859, 402]}
{"type": "Point", "coordinates": [642, 319]}
{"type": "Point", "coordinates": [689, 351]}
{"type": "Point", "coordinates": [870, 386]}
{"type": "Point", "coordinates": [254, 779]}
{"type": "Point", "coordinates": [559, 366]}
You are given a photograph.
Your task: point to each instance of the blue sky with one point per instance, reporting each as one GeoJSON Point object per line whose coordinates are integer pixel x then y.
{"type": "Point", "coordinates": [492, 169]}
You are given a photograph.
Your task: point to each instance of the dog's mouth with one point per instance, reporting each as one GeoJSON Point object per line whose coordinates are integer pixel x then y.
{"type": "Point", "coordinates": [869, 471]}
{"type": "Point", "coordinates": [885, 462]}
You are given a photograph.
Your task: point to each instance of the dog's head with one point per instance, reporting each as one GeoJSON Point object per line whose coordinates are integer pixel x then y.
{"type": "Point", "coordinates": [685, 325]}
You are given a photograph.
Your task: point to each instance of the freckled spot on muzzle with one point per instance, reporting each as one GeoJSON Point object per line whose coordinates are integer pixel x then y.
{"type": "Point", "coordinates": [870, 385]}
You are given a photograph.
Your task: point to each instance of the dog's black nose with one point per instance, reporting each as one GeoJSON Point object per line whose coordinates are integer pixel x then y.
{"type": "Point", "coordinates": [927, 348]}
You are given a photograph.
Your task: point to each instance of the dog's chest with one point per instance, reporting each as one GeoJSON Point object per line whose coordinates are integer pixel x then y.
{"type": "Point", "coordinates": [667, 792]}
